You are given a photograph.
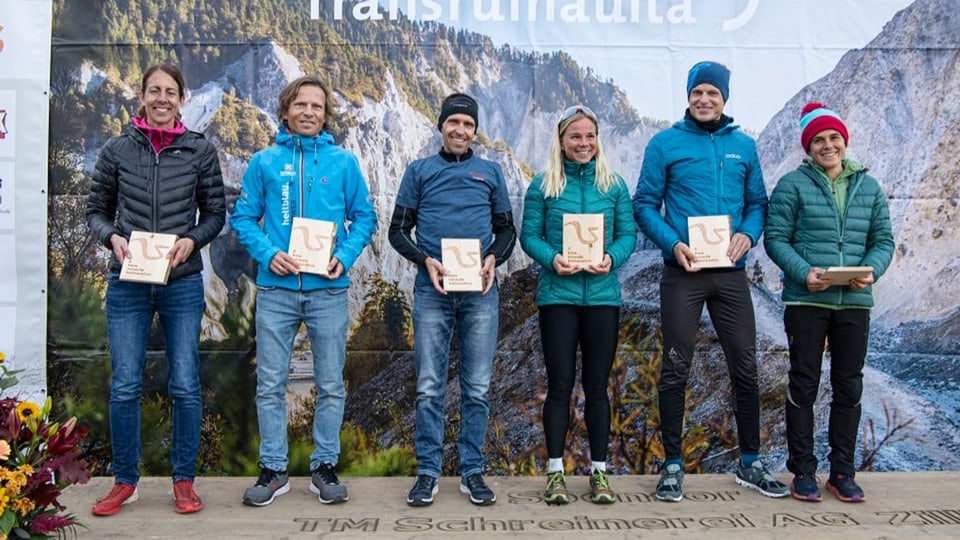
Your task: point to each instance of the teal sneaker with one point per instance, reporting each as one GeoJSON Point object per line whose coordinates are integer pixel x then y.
{"type": "Point", "coordinates": [756, 477]}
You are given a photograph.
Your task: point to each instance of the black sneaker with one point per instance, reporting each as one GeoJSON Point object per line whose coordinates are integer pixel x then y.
{"type": "Point", "coordinates": [269, 485]}
{"type": "Point", "coordinates": [423, 490]}
{"type": "Point", "coordinates": [480, 494]}
{"type": "Point", "coordinates": [325, 484]}
{"type": "Point", "coordinates": [804, 488]}
{"type": "Point", "coordinates": [845, 488]}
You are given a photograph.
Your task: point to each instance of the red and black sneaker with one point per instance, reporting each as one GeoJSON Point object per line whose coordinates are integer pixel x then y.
{"type": "Point", "coordinates": [845, 488]}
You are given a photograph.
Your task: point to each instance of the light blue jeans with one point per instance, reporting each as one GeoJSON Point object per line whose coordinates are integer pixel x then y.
{"type": "Point", "coordinates": [279, 314]}
{"type": "Point", "coordinates": [130, 308]}
{"type": "Point", "coordinates": [475, 317]}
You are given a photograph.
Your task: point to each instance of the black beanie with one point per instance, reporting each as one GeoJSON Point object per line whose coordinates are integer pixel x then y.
{"type": "Point", "coordinates": [457, 104]}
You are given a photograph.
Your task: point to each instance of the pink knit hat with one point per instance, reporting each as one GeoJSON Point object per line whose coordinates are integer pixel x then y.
{"type": "Point", "coordinates": [816, 117]}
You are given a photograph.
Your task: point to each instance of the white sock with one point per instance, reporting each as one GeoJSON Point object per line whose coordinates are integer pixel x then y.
{"type": "Point", "coordinates": [554, 465]}
{"type": "Point", "coordinates": [600, 466]}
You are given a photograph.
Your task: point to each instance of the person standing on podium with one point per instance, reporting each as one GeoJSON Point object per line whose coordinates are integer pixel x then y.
{"type": "Point", "coordinates": [827, 212]}
{"type": "Point", "coordinates": [704, 165]}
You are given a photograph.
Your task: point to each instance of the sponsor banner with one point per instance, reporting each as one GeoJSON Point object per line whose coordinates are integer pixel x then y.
{"type": "Point", "coordinates": [7, 199]}
{"type": "Point", "coordinates": [25, 30]}
{"type": "Point", "coordinates": [8, 116]}
{"type": "Point", "coordinates": [25, 39]}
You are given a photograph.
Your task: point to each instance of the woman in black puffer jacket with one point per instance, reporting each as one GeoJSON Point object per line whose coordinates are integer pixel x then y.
{"type": "Point", "coordinates": [159, 177]}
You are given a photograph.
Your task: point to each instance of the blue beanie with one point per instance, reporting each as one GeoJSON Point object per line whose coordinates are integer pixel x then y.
{"type": "Point", "coordinates": [711, 73]}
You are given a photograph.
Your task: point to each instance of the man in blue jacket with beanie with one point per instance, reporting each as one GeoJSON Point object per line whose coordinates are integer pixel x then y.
{"type": "Point", "coordinates": [705, 166]}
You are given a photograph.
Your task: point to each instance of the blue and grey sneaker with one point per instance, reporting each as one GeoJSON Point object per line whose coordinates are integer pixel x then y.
{"type": "Point", "coordinates": [756, 477]}
{"type": "Point", "coordinates": [480, 494]}
{"type": "Point", "coordinates": [670, 486]}
{"type": "Point", "coordinates": [804, 488]}
{"type": "Point", "coordinates": [269, 485]}
{"type": "Point", "coordinates": [423, 490]}
{"type": "Point", "coordinates": [327, 486]}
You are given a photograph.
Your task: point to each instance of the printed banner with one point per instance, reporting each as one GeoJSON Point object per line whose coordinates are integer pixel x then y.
{"type": "Point", "coordinates": [25, 35]}
{"type": "Point", "coordinates": [390, 63]}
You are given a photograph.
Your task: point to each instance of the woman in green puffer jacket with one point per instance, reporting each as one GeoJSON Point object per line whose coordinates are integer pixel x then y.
{"type": "Point", "coordinates": [579, 304]}
{"type": "Point", "coordinates": [827, 212]}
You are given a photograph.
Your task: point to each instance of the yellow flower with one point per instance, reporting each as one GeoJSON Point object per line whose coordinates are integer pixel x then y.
{"type": "Point", "coordinates": [4, 450]}
{"type": "Point", "coordinates": [27, 410]}
{"type": "Point", "coordinates": [17, 480]}
{"type": "Point", "coordinates": [22, 505]}
{"type": "Point", "coordinates": [2, 357]}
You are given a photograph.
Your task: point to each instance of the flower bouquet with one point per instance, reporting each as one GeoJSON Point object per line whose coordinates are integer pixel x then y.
{"type": "Point", "coordinates": [38, 459]}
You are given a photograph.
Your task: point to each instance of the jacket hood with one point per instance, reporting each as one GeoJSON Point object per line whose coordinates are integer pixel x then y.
{"type": "Point", "coordinates": [687, 123]}
{"type": "Point", "coordinates": [850, 166]}
{"type": "Point", "coordinates": [286, 138]}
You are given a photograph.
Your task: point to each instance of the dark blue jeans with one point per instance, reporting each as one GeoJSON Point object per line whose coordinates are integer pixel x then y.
{"type": "Point", "coordinates": [809, 330]}
{"type": "Point", "coordinates": [475, 317]}
{"type": "Point", "coordinates": [130, 309]}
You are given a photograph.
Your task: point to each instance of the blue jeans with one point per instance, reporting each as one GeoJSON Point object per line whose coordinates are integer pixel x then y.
{"type": "Point", "coordinates": [475, 317]}
{"type": "Point", "coordinates": [130, 308]}
{"type": "Point", "coordinates": [279, 314]}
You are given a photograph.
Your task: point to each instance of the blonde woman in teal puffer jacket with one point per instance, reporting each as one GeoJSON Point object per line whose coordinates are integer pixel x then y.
{"type": "Point", "coordinates": [579, 305]}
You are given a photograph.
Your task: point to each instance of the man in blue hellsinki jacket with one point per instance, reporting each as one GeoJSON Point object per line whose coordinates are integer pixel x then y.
{"type": "Point", "coordinates": [305, 175]}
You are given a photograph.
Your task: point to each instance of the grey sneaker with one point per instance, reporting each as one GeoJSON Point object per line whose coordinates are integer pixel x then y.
{"type": "Point", "coordinates": [327, 486]}
{"type": "Point", "coordinates": [756, 477]}
{"type": "Point", "coordinates": [477, 489]}
{"type": "Point", "coordinates": [423, 490]}
{"type": "Point", "coordinates": [670, 486]}
{"type": "Point", "coordinates": [270, 484]}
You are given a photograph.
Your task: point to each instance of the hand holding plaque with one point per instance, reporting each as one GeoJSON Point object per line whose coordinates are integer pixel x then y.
{"type": "Point", "coordinates": [710, 239]}
{"type": "Point", "coordinates": [462, 260]}
{"type": "Point", "coordinates": [583, 238]}
{"type": "Point", "coordinates": [311, 244]}
{"type": "Point", "coordinates": [148, 262]}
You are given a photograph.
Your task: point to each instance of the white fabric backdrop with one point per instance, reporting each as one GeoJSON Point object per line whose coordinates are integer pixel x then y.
{"type": "Point", "coordinates": [25, 29]}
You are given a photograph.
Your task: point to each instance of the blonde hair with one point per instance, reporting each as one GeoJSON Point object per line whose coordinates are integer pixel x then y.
{"type": "Point", "coordinates": [554, 176]}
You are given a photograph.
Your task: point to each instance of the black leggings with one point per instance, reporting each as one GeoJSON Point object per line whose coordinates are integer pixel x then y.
{"type": "Point", "coordinates": [595, 329]}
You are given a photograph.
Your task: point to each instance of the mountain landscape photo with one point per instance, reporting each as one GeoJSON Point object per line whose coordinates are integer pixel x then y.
{"type": "Point", "coordinates": [895, 93]}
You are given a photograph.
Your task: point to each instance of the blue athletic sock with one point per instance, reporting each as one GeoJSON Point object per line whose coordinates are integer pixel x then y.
{"type": "Point", "coordinates": [673, 461]}
{"type": "Point", "coordinates": [746, 460]}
